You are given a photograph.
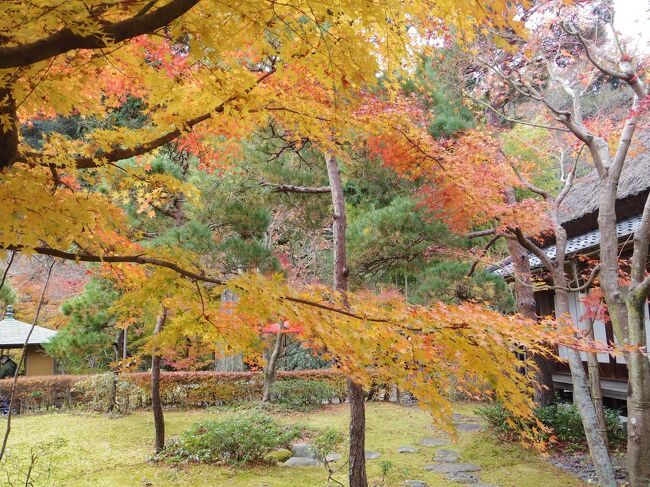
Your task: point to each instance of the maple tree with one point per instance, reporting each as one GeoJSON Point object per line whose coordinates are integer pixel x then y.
{"type": "Point", "coordinates": [563, 61]}
{"type": "Point", "coordinates": [581, 49]}
{"type": "Point", "coordinates": [207, 75]}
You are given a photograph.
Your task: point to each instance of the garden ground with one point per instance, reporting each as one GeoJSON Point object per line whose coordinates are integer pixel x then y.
{"type": "Point", "coordinates": [106, 452]}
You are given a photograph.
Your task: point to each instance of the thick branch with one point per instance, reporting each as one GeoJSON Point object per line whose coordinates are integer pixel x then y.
{"type": "Point", "coordinates": [532, 248]}
{"type": "Point", "coordinates": [641, 242]}
{"type": "Point", "coordinates": [483, 253]}
{"type": "Point", "coordinates": [119, 154]}
{"type": "Point", "coordinates": [143, 260]}
{"type": "Point", "coordinates": [481, 233]}
{"type": "Point", "coordinates": [585, 285]}
{"type": "Point", "coordinates": [111, 32]}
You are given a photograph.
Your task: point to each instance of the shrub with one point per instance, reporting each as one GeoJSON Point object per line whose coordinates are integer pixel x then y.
{"type": "Point", "coordinates": [244, 437]}
{"type": "Point", "coordinates": [326, 442]}
{"type": "Point", "coordinates": [96, 393]}
{"type": "Point", "coordinates": [563, 419]}
{"type": "Point", "coordinates": [178, 389]}
{"type": "Point", "coordinates": [303, 394]}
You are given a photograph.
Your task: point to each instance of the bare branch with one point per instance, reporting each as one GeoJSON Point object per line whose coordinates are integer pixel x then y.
{"type": "Point", "coordinates": [513, 120]}
{"type": "Point", "coordinates": [4, 274]}
{"type": "Point", "coordinates": [483, 253]}
{"type": "Point", "coordinates": [542, 192]}
{"type": "Point", "coordinates": [532, 248]}
{"type": "Point", "coordinates": [570, 178]}
{"type": "Point", "coordinates": [481, 233]}
{"type": "Point", "coordinates": [290, 188]}
{"type": "Point", "coordinates": [586, 285]}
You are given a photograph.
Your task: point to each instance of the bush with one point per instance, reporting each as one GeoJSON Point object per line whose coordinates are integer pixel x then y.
{"type": "Point", "coordinates": [245, 437]}
{"type": "Point", "coordinates": [178, 389]}
{"type": "Point", "coordinates": [562, 419]}
{"type": "Point", "coordinates": [303, 394]}
{"type": "Point", "coordinates": [326, 442]}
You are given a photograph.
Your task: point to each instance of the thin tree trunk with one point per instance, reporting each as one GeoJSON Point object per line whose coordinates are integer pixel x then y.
{"type": "Point", "coordinates": [357, 461]}
{"type": "Point", "coordinates": [271, 369]}
{"type": "Point", "coordinates": [581, 395]}
{"type": "Point", "coordinates": [156, 403]}
{"type": "Point", "coordinates": [125, 349]}
{"type": "Point", "coordinates": [544, 393]}
{"type": "Point", "coordinates": [594, 387]}
{"type": "Point", "coordinates": [116, 349]}
{"type": "Point", "coordinates": [593, 371]}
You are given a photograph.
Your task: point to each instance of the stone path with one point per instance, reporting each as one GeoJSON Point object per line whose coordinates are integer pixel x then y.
{"type": "Point", "coordinates": [447, 460]}
{"type": "Point", "coordinates": [407, 449]}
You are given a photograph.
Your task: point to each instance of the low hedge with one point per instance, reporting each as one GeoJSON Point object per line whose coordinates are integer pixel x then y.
{"type": "Point", "coordinates": [178, 389]}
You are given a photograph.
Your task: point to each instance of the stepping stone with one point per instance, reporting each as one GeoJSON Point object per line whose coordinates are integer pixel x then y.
{"type": "Point", "coordinates": [415, 483]}
{"type": "Point", "coordinates": [446, 456]}
{"type": "Point", "coordinates": [433, 442]}
{"type": "Point", "coordinates": [333, 457]}
{"type": "Point", "coordinates": [300, 462]}
{"type": "Point", "coordinates": [463, 478]}
{"type": "Point", "coordinates": [407, 449]}
{"type": "Point", "coordinates": [468, 427]}
{"type": "Point", "coordinates": [460, 418]}
{"type": "Point", "coordinates": [452, 468]}
{"type": "Point", "coordinates": [371, 455]}
{"type": "Point", "coordinates": [303, 450]}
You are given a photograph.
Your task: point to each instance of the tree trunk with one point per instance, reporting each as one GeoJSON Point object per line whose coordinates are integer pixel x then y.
{"type": "Point", "coordinates": [544, 393]}
{"type": "Point", "coordinates": [638, 397]}
{"type": "Point", "coordinates": [8, 136]}
{"type": "Point", "coordinates": [357, 462]}
{"type": "Point", "coordinates": [156, 403]}
{"type": "Point", "coordinates": [627, 317]}
{"type": "Point", "coordinates": [587, 325]}
{"type": "Point", "coordinates": [581, 395]}
{"type": "Point", "coordinates": [271, 369]}
{"type": "Point", "coordinates": [112, 402]}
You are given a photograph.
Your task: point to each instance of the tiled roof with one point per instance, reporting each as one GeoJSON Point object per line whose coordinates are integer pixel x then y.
{"type": "Point", "coordinates": [14, 332]}
{"type": "Point", "coordinates": [586, 241]}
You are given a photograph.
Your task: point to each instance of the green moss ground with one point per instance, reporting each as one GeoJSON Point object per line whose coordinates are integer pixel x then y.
{"type": "Point", "coordinates": [106, 452]}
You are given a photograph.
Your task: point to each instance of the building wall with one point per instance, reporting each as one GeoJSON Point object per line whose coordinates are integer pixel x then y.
{"type": "Point", "coordinates": [38, 362]}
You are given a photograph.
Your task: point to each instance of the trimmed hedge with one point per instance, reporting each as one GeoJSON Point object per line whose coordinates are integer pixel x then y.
{"type": "Point", "coordinates": [178, 389]}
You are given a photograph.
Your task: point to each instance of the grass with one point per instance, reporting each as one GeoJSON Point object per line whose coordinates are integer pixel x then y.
{"type": "Point", "coordinates": [106, 452]}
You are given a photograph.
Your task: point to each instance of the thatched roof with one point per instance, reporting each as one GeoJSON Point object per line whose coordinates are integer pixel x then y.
{"type": "Point", "coordinates": [582, 199]}
{"type": "Point", "coordinates": [579, 209]}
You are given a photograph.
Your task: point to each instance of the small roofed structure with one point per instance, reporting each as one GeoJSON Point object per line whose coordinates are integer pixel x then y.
{"type": "Point", "coordinates": [13, 334]}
